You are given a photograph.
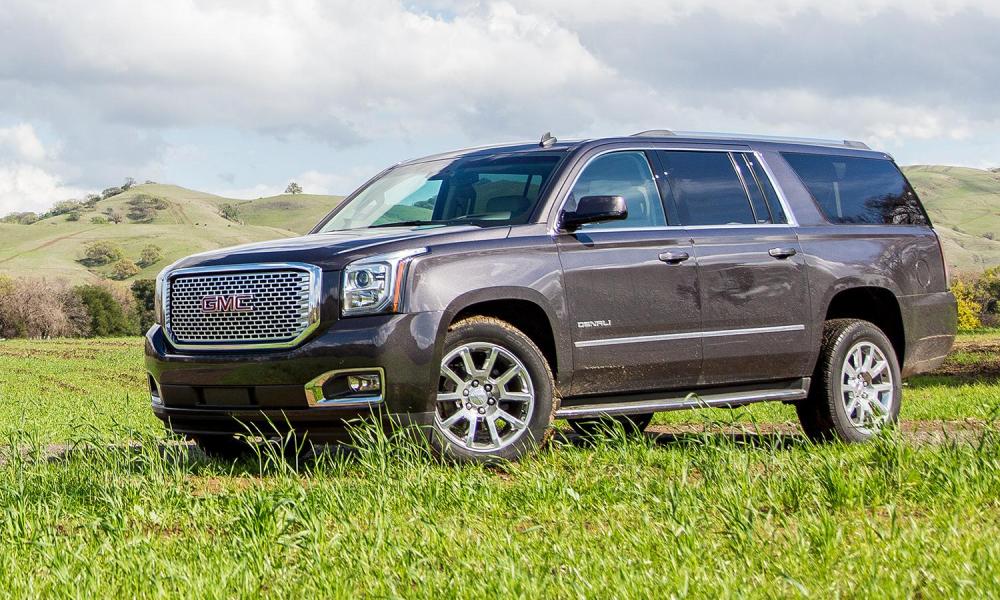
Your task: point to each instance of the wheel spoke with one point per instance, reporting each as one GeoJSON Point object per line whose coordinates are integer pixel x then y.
{"type": "Point", "coordinates": [510, 419]}
{"type": "Point", "coordinates": [878, 368]}
{"type": "Point", "coordinates": [882, 387]}
{"type": "Point", "coordinates": [447, 372]}
{"type": "Point", "coordinates": [470, 366]}
{"type": "Point", "coordinates": [510, 374]}
{"type": "Point", "coordinates": [515, 396]}
{"type": "Point", "coordinates": [455, 418]}
{"type": "Point", "coordinates": [867, 364]}
{"type": "Point", "coordinates": [853, 406]}
{"type": "Point", "coordinates": [470, 437]}
{"type": "Point", "coordinates": [490, 361]}
{"type": "Point", "coordinates": [856, 357]}
{"type": "Point", "coordinates": [448, 397]}
{"type": "Point", "coordinates": [494, 434]}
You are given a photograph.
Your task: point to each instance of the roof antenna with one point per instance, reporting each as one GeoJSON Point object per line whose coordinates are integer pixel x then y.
{"type": "Point", "coordinates": [547, 140]}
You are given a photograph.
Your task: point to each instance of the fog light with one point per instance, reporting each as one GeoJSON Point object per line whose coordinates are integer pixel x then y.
{"type": "Point", "coordinates": [367, 383]}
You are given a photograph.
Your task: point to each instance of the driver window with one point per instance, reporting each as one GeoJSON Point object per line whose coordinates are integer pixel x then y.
{"type": "Point", "coordinates": [626, 174]}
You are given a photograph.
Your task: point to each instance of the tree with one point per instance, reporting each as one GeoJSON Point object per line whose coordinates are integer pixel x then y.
{"type": "Point", "coordinates": [73, 216]}
{"type": "Point", "coordinates": [20, 218]}
{"type": "Point", "coordinates": [144, 292]}
{"type": "Point", "coordinates": [91, 200]}
{"type": "Point", "coordinates": [106, 314]}
{"type": "Point", "coordinates": [101, 252]}
{"type": "Point", "coordinates": [293, 188]}
{"type": "Point", "coordinates": [98, 220]}
{"type": "Point", "coordinates": [229, 212]}
{"type": "Point", "coordinates": [115, 216]}
{"type": "Point", "coordinates": [124, 269]}
{"type": "Point", "coordinates": [111, 191]}
{"type": "Point", "coordinates": [65, 206]}
{"type": "Point", "coordinates": [129, 182]}
{"type": "Point", "coordinates": [150, 255]}
{"type": "Point", "coordinates": [40, 308]}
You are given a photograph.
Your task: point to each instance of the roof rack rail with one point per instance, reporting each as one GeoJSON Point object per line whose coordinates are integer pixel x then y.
{"type": "Point", "coordinates": [749, 137]}
{"type": "Point", "coordinates": [654, 133]}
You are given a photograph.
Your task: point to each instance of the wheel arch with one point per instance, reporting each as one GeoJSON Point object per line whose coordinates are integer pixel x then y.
{"type": "Point", "coordinates": [877, 304]}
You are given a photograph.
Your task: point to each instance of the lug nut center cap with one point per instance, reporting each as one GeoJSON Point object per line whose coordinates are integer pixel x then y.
{"type": "Point", "coordinates": [478, 396]}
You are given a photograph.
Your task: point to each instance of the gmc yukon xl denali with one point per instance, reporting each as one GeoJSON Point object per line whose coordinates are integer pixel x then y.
{"type": "Point", "coordinates": [483, 293]}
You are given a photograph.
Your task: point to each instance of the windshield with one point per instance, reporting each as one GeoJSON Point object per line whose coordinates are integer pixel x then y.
{"type": "Point", "coordinates": [484, 191]}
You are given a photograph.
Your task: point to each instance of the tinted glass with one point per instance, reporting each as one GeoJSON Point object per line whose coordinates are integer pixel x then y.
{"type": "Point", "coordinates": [858, 190]}
{"type": "Point", "coordinates": [625, 174]}
{"type": "Point", "coordinates": [486, 191]}
{"type": "Point", "coordinates": [764, 182]}
{"type": "Point", "coordinates": [760, 210]}
{"type": "Point", "coordinates": [706, 188]}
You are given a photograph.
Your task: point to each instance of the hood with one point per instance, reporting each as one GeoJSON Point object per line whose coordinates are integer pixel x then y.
{"type": "Point", "coordinates": [331, 251]}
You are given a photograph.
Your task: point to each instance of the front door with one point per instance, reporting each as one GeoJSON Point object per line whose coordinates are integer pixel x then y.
{"type": "Point", "coordinates": [632, 286]}
{"type": "Point", "coordinates": [750, 266]}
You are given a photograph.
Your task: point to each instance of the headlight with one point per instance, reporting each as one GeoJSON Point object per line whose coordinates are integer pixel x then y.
{"type": "Point", "coordinates": [158, 298]}
{"type": "Point", "coordinates": [375, 285]}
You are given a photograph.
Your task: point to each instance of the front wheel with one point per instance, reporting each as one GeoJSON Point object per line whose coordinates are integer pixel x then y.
{"type": "Point", "coordinates": [857, 387]}
{"type": "Point", "coordinates": [496, 394]}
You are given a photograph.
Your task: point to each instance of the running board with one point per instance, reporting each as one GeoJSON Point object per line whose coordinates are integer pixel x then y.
{"type": "Point", "coordinates": [725, 400]}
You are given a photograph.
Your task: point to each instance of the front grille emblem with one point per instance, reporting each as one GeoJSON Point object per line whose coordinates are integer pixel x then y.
{"type": "Point", "coordinates": [227, 303]}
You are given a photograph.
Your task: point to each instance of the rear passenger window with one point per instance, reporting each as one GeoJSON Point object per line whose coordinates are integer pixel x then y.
{"type": "Point", "coordinates": [849, 189]}
{"type": "Point", "coordinates": [706, 188]}
{"type": "Point", "coordinates": [764, 182]}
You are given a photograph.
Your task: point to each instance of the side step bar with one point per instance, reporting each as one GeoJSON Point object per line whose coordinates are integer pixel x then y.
{"type": "Point", "coordinates": [720, 400]}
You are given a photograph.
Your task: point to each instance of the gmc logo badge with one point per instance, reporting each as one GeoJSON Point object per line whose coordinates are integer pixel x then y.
{"type": "Point", "coordinates": [231, 303]}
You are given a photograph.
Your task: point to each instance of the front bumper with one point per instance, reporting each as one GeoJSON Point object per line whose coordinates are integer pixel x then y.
{"type": "Point", "coordinates": [264, 391]}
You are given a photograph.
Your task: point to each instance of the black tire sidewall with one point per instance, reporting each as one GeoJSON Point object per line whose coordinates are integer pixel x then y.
{"type": "Point", "coordinates": [494, 331]}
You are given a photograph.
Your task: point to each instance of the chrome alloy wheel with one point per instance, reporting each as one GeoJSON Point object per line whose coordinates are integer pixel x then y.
{"type": "Point", "coordinates": [866, 386]}
{"type": "Point", "coordinates": [485, 397]}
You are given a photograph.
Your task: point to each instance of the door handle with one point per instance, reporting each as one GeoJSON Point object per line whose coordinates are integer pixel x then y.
{"type": "Point", "coordinates": [781, 253]}
{"type": "Point", "coordinates": [674, 258]}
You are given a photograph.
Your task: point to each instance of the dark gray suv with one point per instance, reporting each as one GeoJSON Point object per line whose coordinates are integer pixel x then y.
{"type": "Point", "coordinates": [483, 293]}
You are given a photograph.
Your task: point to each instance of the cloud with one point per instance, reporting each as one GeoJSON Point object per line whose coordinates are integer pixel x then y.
{"type": "Point", "coordinates": [363, 84]}
{"type": "Point", "coordinates": [26, 188]}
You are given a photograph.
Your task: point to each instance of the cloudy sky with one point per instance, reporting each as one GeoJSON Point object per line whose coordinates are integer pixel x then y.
{"type": "Point", "coordinates": [238, 97]}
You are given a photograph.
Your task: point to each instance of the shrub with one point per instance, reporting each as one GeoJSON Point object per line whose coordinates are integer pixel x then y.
{"type": "Point", "coordinates": [151, 255]}
{"type": "Point", "coordinates": [101, 252]}
{"type": "Point", "coordinates": [98, 220]}
{"type": "Point", "coordinates": [73, 216]}
{"type": "Point", "coordinates": [124, 269]}
{"type": "Point", "coordinates": [106, 315]}
{"type": "Point", "coordinates": [64, 207]}
{"type": "Point", "coordinates": [968, 308]}
{"type": "Point", "coordinates": [20, 218]}
{"type": "Point", "coordinates": [40, 308]}
{"type": "Point", "coordinates": [111, 191]}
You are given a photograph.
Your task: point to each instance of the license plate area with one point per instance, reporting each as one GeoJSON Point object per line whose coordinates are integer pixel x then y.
{"type": "Point", "coordinates": [226, 396]}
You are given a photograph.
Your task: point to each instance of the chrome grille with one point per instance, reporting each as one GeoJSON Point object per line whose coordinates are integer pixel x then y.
{"type": "Point", "coordinates": [251, 306]}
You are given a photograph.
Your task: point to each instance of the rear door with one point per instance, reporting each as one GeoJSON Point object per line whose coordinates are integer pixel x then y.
{"type": "Point", "coordinates": [751, 268]}
{"type": "Point", "coordinates": [632, 286]}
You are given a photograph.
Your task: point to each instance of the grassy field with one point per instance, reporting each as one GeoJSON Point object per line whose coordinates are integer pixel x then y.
{"type": "Point", "coordinates": [94, 501]}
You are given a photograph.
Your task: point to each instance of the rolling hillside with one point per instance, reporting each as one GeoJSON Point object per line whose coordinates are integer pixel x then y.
{"type": "Point", "coordinates": [190, 222]}
{"type": "Point", "coordinates": [963, 203]}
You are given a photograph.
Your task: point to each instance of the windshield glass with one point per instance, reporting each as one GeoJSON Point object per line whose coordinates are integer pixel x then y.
{"type": "Point", "coordinates": [485, 191]}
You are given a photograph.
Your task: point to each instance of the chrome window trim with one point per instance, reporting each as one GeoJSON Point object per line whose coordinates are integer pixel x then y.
{"type": "Point", "coordinates": [315, 298]}
{"type": "Point", "coordinates": [688, 335]}
{"type": "Point", "coordinates": [789, 215]}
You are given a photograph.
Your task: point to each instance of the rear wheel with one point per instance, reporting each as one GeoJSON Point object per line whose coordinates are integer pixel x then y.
{"type": "Point", "coordinates": [857, 387]}
{"type": "Point", "coordinates": [495, 397]}
{"type": "Point", "coordinates": [631, 424]}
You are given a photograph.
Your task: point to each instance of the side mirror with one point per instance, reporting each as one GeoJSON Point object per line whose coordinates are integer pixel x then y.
{"type": "Point", "coordinates": [594, 209]}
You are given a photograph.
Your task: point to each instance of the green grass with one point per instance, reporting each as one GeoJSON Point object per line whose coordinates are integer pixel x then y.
{"type": "Point", "coordinates": [128, 512]}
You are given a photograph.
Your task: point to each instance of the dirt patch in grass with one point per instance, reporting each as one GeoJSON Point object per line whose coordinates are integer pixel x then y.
{"type": "Point", "coordinates": [973, 359]}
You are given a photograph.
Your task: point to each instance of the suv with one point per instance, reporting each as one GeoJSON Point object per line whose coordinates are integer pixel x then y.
{"type": "Point", "coordinates": [483, 293]}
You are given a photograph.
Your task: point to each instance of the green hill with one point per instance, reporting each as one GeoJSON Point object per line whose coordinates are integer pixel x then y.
{"type": "Point", "coordinates": [188, 222]}
{"type": "Point", "coordinates": [963, 203]}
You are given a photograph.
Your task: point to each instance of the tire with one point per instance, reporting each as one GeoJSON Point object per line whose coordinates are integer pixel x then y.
{"type": "Point", "coordinates": [632, 424]}
{"type": "Point", "coordinates": [510, 398]}
{"type": "Point", "coordinates": [852, 407]}
{"type": "Point", "coordinates": [221, 446]}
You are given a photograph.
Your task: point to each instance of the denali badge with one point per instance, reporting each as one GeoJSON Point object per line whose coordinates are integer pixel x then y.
{"type": "Point", "coordinates": [231, 303]}
{"type": "Point", "coordinates": [588, 324]}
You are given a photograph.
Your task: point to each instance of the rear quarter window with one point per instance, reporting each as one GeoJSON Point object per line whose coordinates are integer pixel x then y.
{"type": "Point", "coordinates": [854, 190]}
